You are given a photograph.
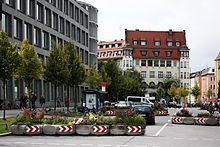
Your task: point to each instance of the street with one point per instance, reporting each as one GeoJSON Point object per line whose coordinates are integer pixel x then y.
{"type": "Point", "coordinates": [163, 134]}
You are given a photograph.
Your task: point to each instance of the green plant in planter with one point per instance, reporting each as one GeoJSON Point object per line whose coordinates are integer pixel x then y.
{"type": "Point", "coordinates": [205, 114]}
{"type": "Point", "coordinates": [157, 107]}
{"type": "Point", "coordinates": [56, 121]}
{"type": "Point", "coordinates": [99, 120]}
{"type": "Point", "coordinates": [184, 113]}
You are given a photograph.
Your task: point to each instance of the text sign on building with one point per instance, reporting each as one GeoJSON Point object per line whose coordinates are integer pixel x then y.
{"type": "Point", "coordinates": [103, 85]}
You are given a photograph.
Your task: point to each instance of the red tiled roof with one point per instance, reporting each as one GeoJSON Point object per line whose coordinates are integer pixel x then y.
{"type": "Point", "coordinates": [218, 57]}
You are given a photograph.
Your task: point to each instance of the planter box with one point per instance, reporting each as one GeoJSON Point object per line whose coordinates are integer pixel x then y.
{"type": "Point", "coordinates": [18, 129]}
{"type": "Point", "coordinates": [33, 129]}
{"type": "Point", "coordinates": [118, 129]}
{"type": "Point", "coordinates": [100, 129]}
{"type": "Point", "coordinates": [189, 120]}
{"type": "Point", "coordinates": [83, 129]}
{"type": "Point", "coordinates": [177, 120]}
{"type": "Point", "coordinates": [212, 121]}
{"type": "Point", "coordinates": [135, 130]}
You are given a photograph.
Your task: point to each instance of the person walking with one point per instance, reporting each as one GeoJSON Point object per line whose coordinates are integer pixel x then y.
{"type": "Point", "coordinates": [211, 108]}
{"type": "Point", "coordinates": [42, 102]}
{"type": "Point", "coordinates": [67, 102]}
{"type": "Point", "coordinates": [22, 101]}
{"type": "Point", "coordinates": [33, 100]}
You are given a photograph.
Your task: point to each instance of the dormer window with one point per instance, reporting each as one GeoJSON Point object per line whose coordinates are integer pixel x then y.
{"type": "Point", "coordinates": [168, 53]}
{"type": "Point", "coordinates": [156, 53]}
{"type": "Point", "coordinates": [113, 45]}
{"type": "Point", "coordinates": [143, 42]}
{"type": "Point", "coordinates": [177, 43]}
{"type": "Point", "coordinates": [143, 53]}
{"type": "Point", "coordinates": [169, 43]}
{"type": "Point", "coordinates": [109, 53]}
{"type": "Point", "coordinates": [157, 43]}
{"type": "Point", "coordinates": [135, 42]}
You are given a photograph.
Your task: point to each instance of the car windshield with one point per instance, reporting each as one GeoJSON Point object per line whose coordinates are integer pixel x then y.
{"type": "Point", "coordinates": [144, 109]}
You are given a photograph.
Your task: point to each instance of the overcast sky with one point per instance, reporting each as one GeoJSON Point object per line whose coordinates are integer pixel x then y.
{"type": "Point", "coordinates": [200, 19]}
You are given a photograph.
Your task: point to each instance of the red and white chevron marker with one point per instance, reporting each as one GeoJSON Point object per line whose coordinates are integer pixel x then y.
{"type": "Point", "coordinates": [100, 129]}
{"type": "Point", "coordinates": [32, 129]}
{"type": "Point", "coordinates": [177, 120]}
{"type": "Point", "coordinates": [200, 120]}
{"type": "Point", "coordinates": [134, 129]}
{"type": "Point", "coordinates": [162, 112]}
{"type": "Point", "coordinates": [77, 120]}
{"type": "Point", "coordinates": [110, 112]}
{"type": "Point", "coordinates": [65, 128]}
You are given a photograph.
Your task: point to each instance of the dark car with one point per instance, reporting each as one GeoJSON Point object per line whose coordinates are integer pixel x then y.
{"type": "Point", "coordinates": [146, 112]}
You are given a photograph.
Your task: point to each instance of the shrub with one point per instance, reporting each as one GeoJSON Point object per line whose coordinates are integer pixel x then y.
{"type": "Point", "coordinates": [205, 114]}
{"type": "Point", "coordinates": [184, 113]}
{"type": "Point", "coordinates": [157, 107]}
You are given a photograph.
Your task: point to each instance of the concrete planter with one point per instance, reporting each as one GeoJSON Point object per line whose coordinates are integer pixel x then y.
{"type": "Point", "coordinates": [200, 120]}
{"type": "Point", "coordinates": [18, 129]}
{"type": "Point", "coordinates": [33, 129]}
{"type": "Point", "coordinates": [135, 130]}
{"type": "Point", "coordinates": [66, 129]}
{"type": "Point", "coordinates": [118, 129]}
{"type": "Point", "coordinates": [189, 120]}
{"type": "Point", "coordinates": [83, 129]}
{"type": "Point", "coordinates": [50, 129]}
{"type": "Point", "coordinates": [212, 121]}
{"type": "Point", "coordinates": [100, 129]}
{"type": "Point", "coordinates": [177, 120]}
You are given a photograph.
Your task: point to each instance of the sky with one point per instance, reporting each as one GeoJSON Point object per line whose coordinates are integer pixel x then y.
{"type": "Point", "coordinates": [200, 19]}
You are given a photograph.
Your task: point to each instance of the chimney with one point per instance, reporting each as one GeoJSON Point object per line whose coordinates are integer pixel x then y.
{"type": "Point", "coordinates": [170, 32]}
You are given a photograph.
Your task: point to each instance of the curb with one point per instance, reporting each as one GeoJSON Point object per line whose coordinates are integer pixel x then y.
{"type": "Point", "coordinates": [5, 134]}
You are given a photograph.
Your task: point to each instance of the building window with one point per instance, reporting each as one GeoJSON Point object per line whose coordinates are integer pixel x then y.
{"type": "Point", "coordinates": [152, 74]}
{"type": "Point", "coordinates": [77, 14]}
{"type": "Point", "coordinates": [45, 40]}
{"type": "Point", "coordinates": [86, 57]}
{"type": "Point", "coordinates": [157, 43]}
{"type": "Point", "coordinates": [86, 20]}
{"type": "Point", "coordinates": [181, 75]}
{"type": "Point", "coordinates": [169, 74]}
{"type": "Point", "coordinates": [143, 42]}
{"type": "Point", "coordinates": [169, 63]}
{"type": "Point", "coordinates": [72, 10]}
{"type": "Point", "coordinates": [78, 35]}
{"type": "Point", "coordinates": [162, 63]}
{"type": "Point", "coordinates": [169, 43]}
{"type": "Point", "coordinates": [55, 21]}
{"type": "Point", "coordinates": [81, 17]}
{"type": "Point", "coordinates": [66, 8]}
{"type": "Point", "coordinates": [143, 53]}
{"type": "Point", "coordinates": [160, 74]}
{"type": "Point", "coordinates": [143, 62]}
{"type": "Point", "coordinates": [185, 64]}
{"type": "Point", "coordinates": [17, 28]}
{"type": "Point", "coordinates": [62, 25]}
{"type": "Point", "coordinates": [37, 36]}
{"type": "Point", "coordinates": [181, 64]}
{"type": "Point", "coordinates": [28, 32]}
{"type": "Point", "coordinates": [177, 43]}
{"type": "Point", "coordinates": [68, 28]}
{"type": "Point", "coordinates": [47, 17]}
{"type": "Point", "coordinates": [73, 32]}
{"type": "Point", "coordinates": [60, 5]}
{"type": "Point", "coordinates": [168, 53]}
{"type": "Point", "coordinates": [40, 12]}
{"type": "Point", "coordinates": [53, 2]}
{"type": "Point", "coordinates": [174, 63]}
{"type": "Point", "coordinates": [31, 8]}
{"type": "Point", "coordinates": [137, 62]}
{"type": "Point", "coordinates": [109, 53]}
{"type": "Point", "coordinates": [10, 2]}
{"type": "Point", "coordinates": [135, 42]}
{"type": "Point", "coordinates": [83, 38]}
{"type": "Point", "coordinates": [21, 5]}
{"type": "Point", "coordinates": [156, 63]}
{"type": "Point", "coordinates": [6, 23]}
{"type": "Point", "coordinates": [185, 75]}
{"type": "Point", "coordinates": [156, 53]}
{"type": "Point", "coordinates": [143, 74]}
{"type": "Point", "coordinates": [150, 63]}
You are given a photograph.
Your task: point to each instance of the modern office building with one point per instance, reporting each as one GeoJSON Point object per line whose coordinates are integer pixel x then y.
{"type": "Point", "coordinates": [158, 55]}
{"type": "Point", "coordinates": [40, 22]}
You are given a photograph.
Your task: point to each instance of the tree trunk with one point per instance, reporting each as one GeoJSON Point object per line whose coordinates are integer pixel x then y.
{"type": "Point", "coordinates": [55, 99]}
{"type": "Point", "coordinates": [4, 98]}
{"type": "Point", "coordinates": [29, 95]}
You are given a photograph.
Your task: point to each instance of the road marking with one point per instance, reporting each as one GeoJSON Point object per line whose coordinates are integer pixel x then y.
{"type": "Point", "coordinates": [193, 138]}
{"type": "Point", "coordinates": [121, 145]}
{"type": "Point", "coordinates": [69, 144]}
{"type": "Point", "coordinates": [177, 138]}
{"type": "Point", "coordinates": [161, 129]}
{"type": "Point", "coordinates": [87, 144]}
{"type": "Point", "coordinates": [104, 145]}
{"type": "Point", "coordinates": [36, 143]}
{"type": "Point", "coordinates": [18, 142]}
{"type": "Point", "coordinates": [53, 143]}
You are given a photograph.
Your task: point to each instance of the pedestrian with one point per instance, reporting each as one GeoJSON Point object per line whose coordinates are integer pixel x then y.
{"type": "Point", "coordinates": [67, 102]}
{"type": "Point", "coordinates": [211, 108]}
{"type": "Point", "coordinates": [216, 106]}
{"type": "Point", "coordinates": [1, 104]}
{"type": "Point", "coordinates": [33, 100]}
{"type": "Point", "coordinates": [22, 101]}
{"type": "Point", "coordinates": [42, 101]}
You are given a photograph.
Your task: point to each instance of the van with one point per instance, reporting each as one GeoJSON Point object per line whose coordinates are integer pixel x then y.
{"type": "Point", "coordinates": [139, 99]}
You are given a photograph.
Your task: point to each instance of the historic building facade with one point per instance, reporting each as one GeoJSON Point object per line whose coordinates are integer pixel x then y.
{"type": "Point", "coordinates": [217, 73]}
{"type": "Point", "coordinates": [40, 22]}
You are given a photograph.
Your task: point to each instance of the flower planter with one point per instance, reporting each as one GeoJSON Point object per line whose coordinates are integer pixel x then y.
{"type": "Point", "coordinates": [100, 129]}
{"type": "Point", "coordinates": [135, 130]}
{"type": "Point", "coordinates": [118, 129]}
{"type": "Point", "coordinates": [18, 129]}
{"type": "Point", "coordinates": [177, 120]}
{"type": "Point", "coordinates": [200, 120]}
{"type": "Point", "coordinates": [65, 129]}
{"type": "Point", "coordinates": [212, 121]}
{"type": "Point", "coordinates": [83, 129]}
{"type": "Point", "coordinates": [33, 129]}
{"type": "Point", "coordinates": [189, 120]}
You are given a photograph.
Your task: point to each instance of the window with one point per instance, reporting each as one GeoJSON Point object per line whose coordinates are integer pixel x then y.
{"type": "Point", "coordinates": [83, 38]}
{"type": "Point", "coordinates": [81, 17]}
{"type": "Point", "coordinates": [55, 21]}
{"type": "Point", "coordinates": [156, 63]}
{"type": "Point", "coordinates": [152, 74]}
{"type": "Point", "coordinates": [62, 25]}
{"type": "Point", "coordinates": [143, 53]}
{"type": "Point", "coordinates": [143, 62]}
{"type": "Point", "coordinates": [52, 39]}
{"type": "Point", "coordinates": [71, 10]}
{"type": "Point", "coordinates": [109, 53]}
{"type": "Point", "coordinates": [86, 57]}
{"type": "Point", "coordinates": [174, 63]}
{"type": "Point", "coordinates": [31, 8]}
{"type": "Point", "coordinates": [86, 20]}
{"type": "Point", "coordinates": [21, 5]}
{"type": "Point", "coordinates": [143, 74]}
{"type": "Point", "coordinates": [45, 40]}
{"type": "Point", "coordinates": [169, 63]}
{"type": "Point", "coordinates": [181, 64]}
{"type": "Point", "coordinates": [60, 5]}
{"type": "Point", "coordinates": [150, 63]}
{"type": "Point", "coordinates": [102, 54]}
{"type": "Point", "coordinates": [168, 53]}
{"type": "Point", "coordinates": [47, 17]}
{"type": "Point", "coordinates": [73, 32]}
{"type": "Point", "coordinates": [6, 23]}
{"type": "Point", "coordinates": [169, 43]}
{"type": "Point", "coordinates": [37, 36]}
{"type": "Point", "coordinates": [78, 35]}
{"type": "Point", "coordinates": [10, 2]}
{"type": "Point", "coordinates": [68, 28]}
{"type": "Point", "coordinates": [17, 28]}
{"type": "Point", "coordinates": [40, 12]}
{"type": "Point", "coordinates": [53, 2]}
{"type": "Point", "coordinates": [162, 63]}
{"type": "Point", "coordinates": [66, 8]}
{"type": "Point", "coordinates": [135, 42]}
{"type": "Point", "coordinates": [156, 53]}
{"type": "Point", "coordinates": [169, 74]}
{"type": "Point", "coordinates": [60, 41]}
{"type": "Point", "coordinates": [160, 74]}
{"type": "Point", "coordinates": [177, 43]}
{"type": "Point", "coordinates": [157, 43]}
{"type": "Point", "coordinates": [28, 32]}
{"type": "Point", "coordinates": [184, 64]}
{"type": "Point", "coordinates": [181, 75]}
{"type": "Point", "coordinates": [137, 62]}
{"type": "Point", "coordinates": [77, 14]}
{"type": "Point", "coordinates": [143, 42]}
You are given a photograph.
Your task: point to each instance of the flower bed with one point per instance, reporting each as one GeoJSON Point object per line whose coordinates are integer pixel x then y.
{"type": "Point", "coordinates": [160, 110]}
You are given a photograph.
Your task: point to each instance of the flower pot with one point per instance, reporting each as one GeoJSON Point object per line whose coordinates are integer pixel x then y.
{"type": "Point", "coordinates": [188, 120]}
{"type": "Point", "coordinates": [212, 121]}
{"type": "Point", "coordinates": [100, 129]}
{"type": "Point", "coordinates": [118, 129]}
{"type": "Point", "coordinates": [83, 129]}
{"type": "Point", "coordinates": [177, 120]}
{"type": "Point", "coordinates": [18, 129]}
{"type": "Point", "coordinates": [33, 129]}
{"type": "Point", "coordinates": [65, 129]}
{"type": "Point", "coordinates": [135, 130]}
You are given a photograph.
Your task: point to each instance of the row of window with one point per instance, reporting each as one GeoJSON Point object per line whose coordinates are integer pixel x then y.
{"type": "Point", "coordinates": [156, 53]}
{"type": "Point", "coordinates": [23, 30]}
{"type": "Point", "coordinates": [156, 43]}
{"type": "Point", "coordinates": [44, 15]}
{"type": "Point", "coordinates": [110, 53]}
{"type": "Point", "coordinates": [160, 74]}
{"type": "Point", "coordinates": [184, 64]}
{"type": "Point", "coordinates": [157, 63]}
{"type": "Point", "coordinates": [184, 75]}
{"type": "Point", "coordinates": [109, 45]}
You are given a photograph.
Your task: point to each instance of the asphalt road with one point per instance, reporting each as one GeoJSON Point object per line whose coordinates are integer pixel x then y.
{"type": "Point", "coordinates": [163, 134]}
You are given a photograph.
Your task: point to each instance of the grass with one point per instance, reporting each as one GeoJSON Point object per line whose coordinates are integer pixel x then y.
{"type": "Point", "coordinates": [3, 128]}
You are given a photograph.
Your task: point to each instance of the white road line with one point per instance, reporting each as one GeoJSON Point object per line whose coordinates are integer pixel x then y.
{"type": "Point", "coordinates": [53, 143]}
{"type": "Point", "coordinates": [36, 143]}
{"type": "Point", "coordinates": [18, 142]}
{"type": "Point", "coordinates": [161, 129]}
{"type": "Point", "coordinates": [69, 144]}
{"type": "Point", "coordinates": [121, 145]}
{"type": "Point", "coordinates": [87, 144]}
{"type": "Point", "coordinates": [193, 138]}
{"type": "Point", "coordinates": [178, 138]}
{"type": "Point", "coordinates": [104, 145]}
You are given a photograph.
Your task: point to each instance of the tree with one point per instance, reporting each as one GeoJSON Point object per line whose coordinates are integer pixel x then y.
{"type": "Point", "coordinates": [196, 91]}
{"type": "Point", "coordinates": [9, 62]}
{"type": "Point", "coordinates": [172, 91]}
{"type": "Point", "coordinates": [219, 89]}
{"type": "Point", "coordinates": [183, 92]}
{"type": "Point", "coordinates": [56, 69]}
{"type": "Point", "coordinates": [167, 84]}
{"type": "Point", "coordinates": [160, 92]}
{"type": "Point", "coordinates": [93, 78]}
{"type": "Point", "coordinates": [31, 66]}
{"type": "Point", "coordinates": [209, 93]}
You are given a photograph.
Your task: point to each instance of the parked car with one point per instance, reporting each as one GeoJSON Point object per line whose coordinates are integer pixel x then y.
{"type": "Point", "coordinates": [123, 104]}
{"type": "Point", "coordinates": [171, 104]}
{"type": "Point", "coordinates": [146, 112]}
{"type": "Point", "coordinates": [141, 103]}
